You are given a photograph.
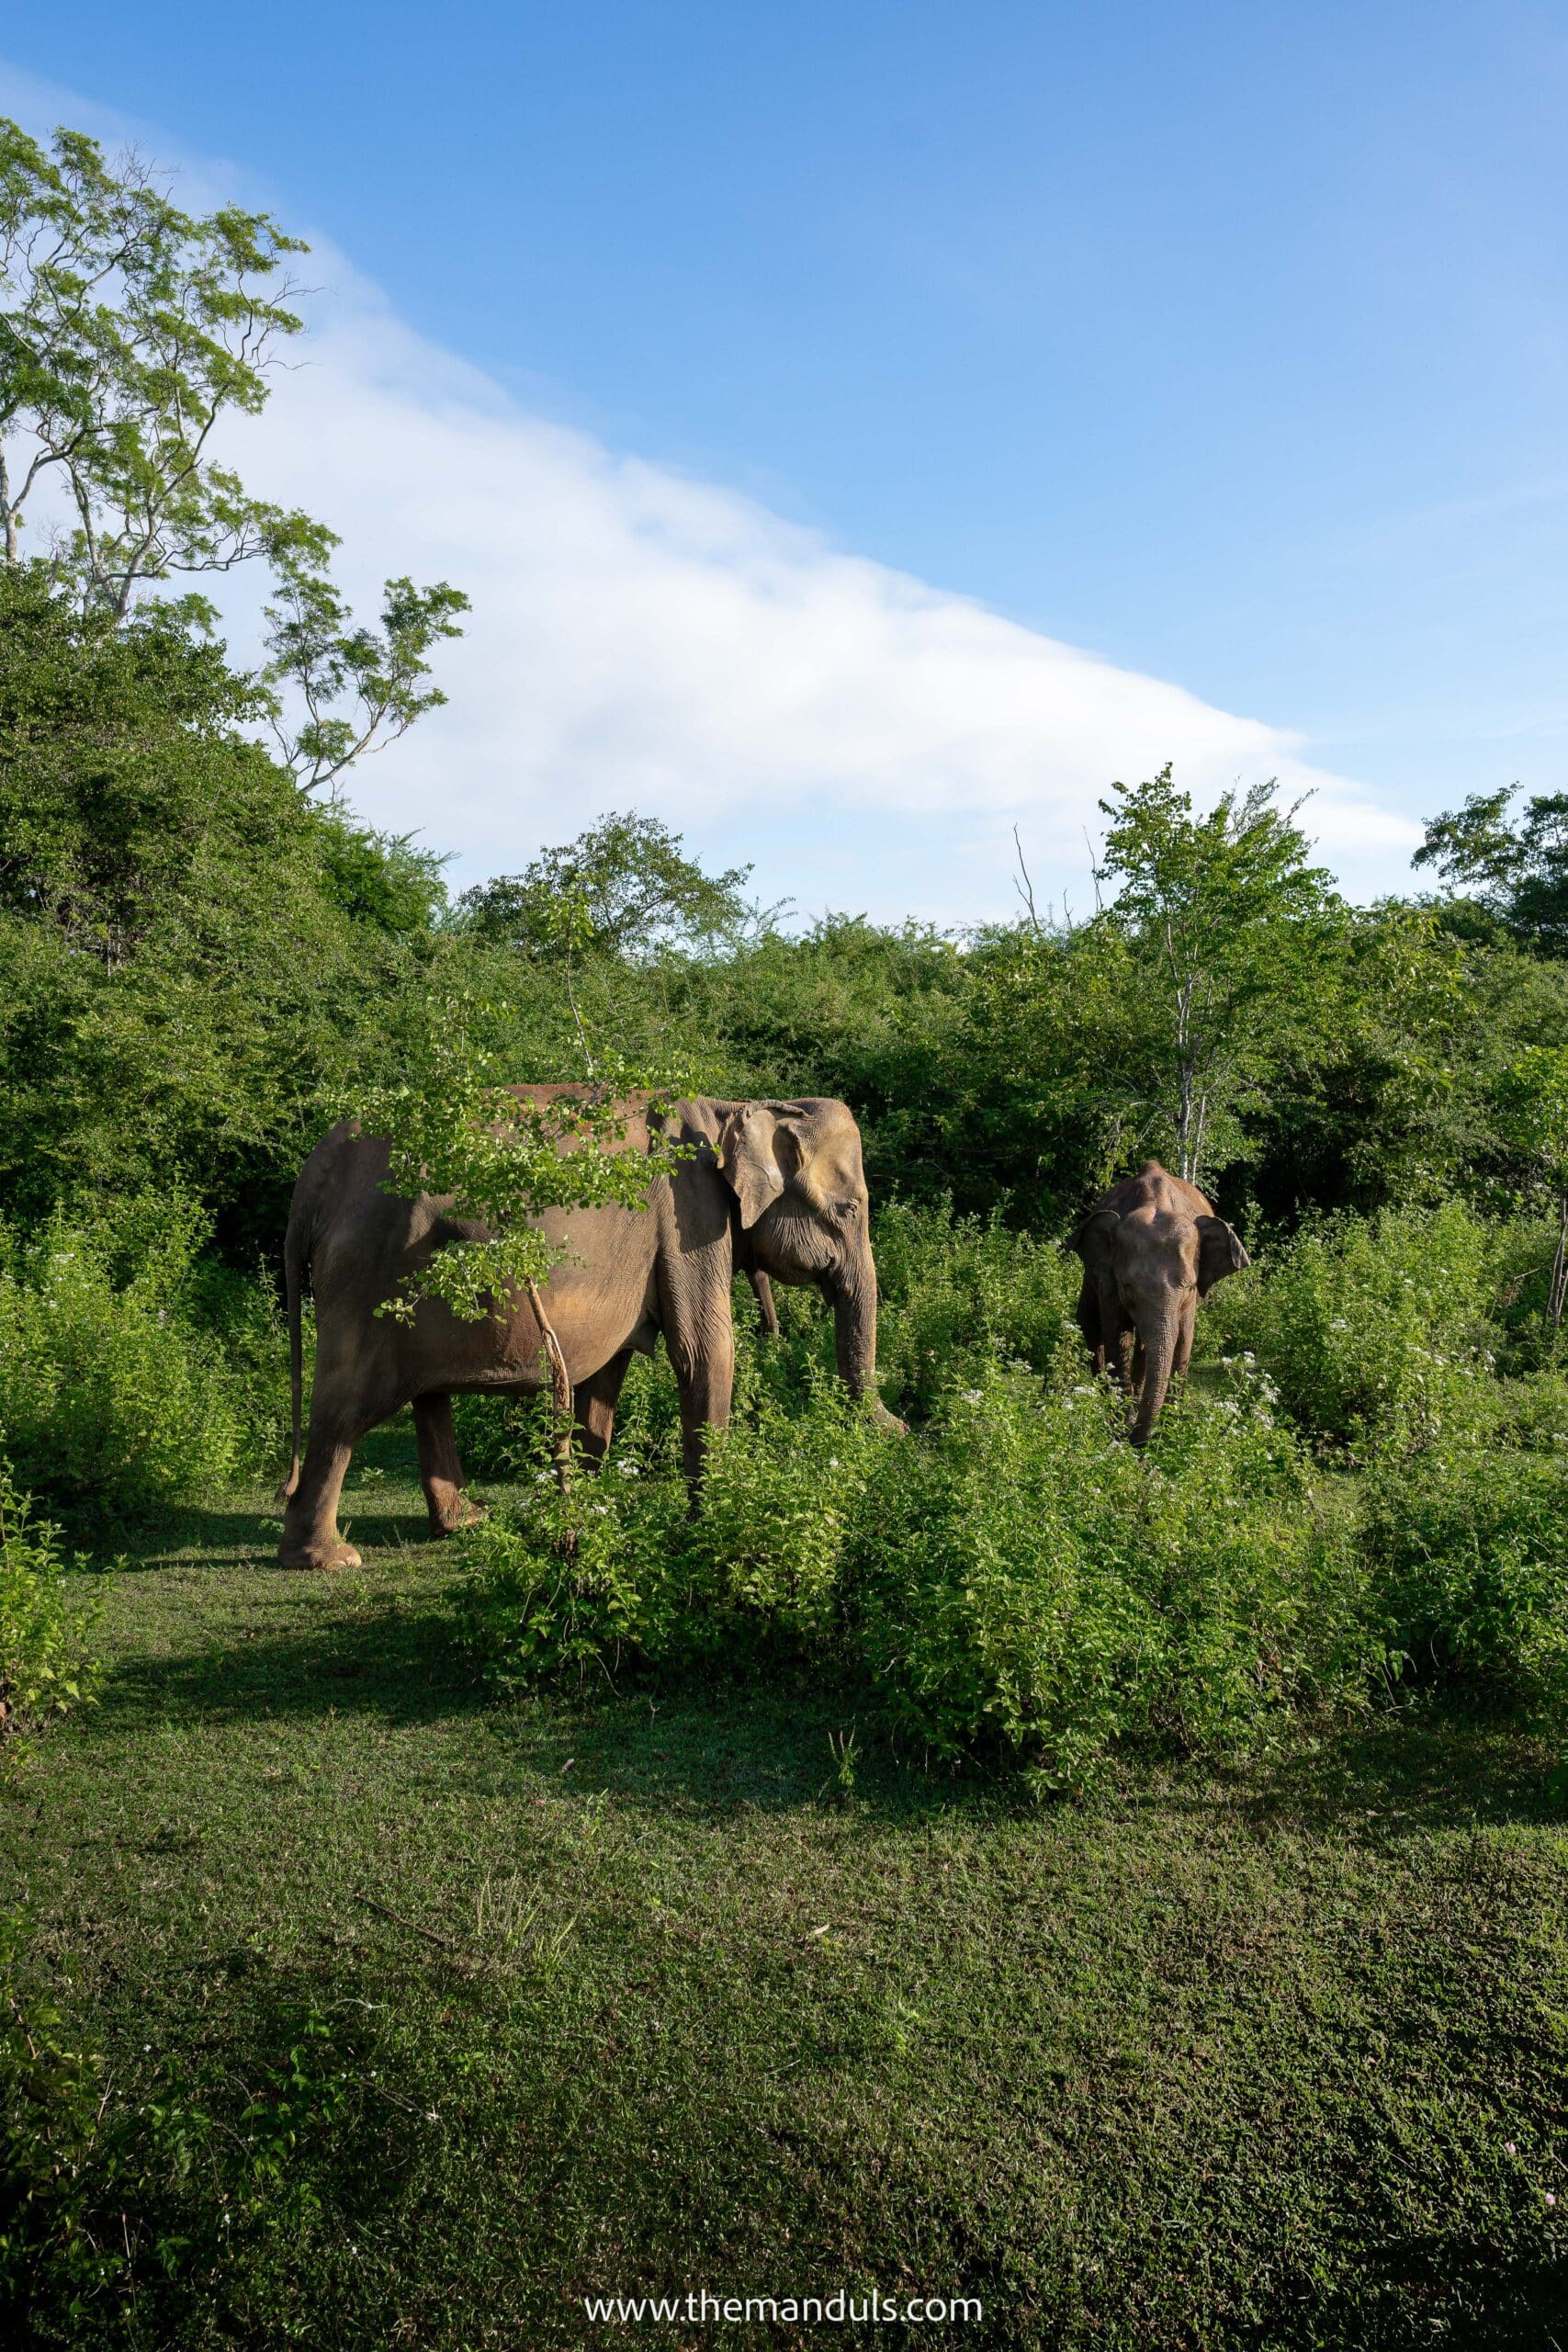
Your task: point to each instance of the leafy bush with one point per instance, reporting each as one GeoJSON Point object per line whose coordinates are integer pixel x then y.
{"type": "Point", "coordinates": [1375, 1330]}
{"type": "Point", "coordinates": [1025, 1578]}
{"type": "Point", "coordinates": [1015, 1578]}
{"type": "Point", "coordinates": [113, 1399]}
{"type": "Point", "coordinates": [44, 1667]}
{"type": "Point", "coordinates": [958, 1293]}
{"type": "Point", "coordinates": [583, 1582]}
{"type": "Point", "coordinates": [618, 1569]}
{"type": "Point", "coordinates": [1012, 1576]}
{"type": "Point", "coordinates": [1467, 1551]}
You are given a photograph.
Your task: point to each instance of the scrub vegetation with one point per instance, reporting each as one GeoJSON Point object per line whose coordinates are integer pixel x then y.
{"type": "Point", "coordinates": [1126, 1887]}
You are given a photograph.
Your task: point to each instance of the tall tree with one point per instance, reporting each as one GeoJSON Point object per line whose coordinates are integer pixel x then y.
{"type": "Point", "coordinates": [1517, 873]}
{"type": "Point", "coordinates": [1234, 937]}
{"type": "Point", "coordinates": [636, 889]}
{"type": "Point", "coordinates": [130, 331]}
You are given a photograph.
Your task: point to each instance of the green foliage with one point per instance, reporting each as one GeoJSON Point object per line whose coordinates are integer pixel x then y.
{"type": "Point", "coordinates": [960, 1293]}
{"type": "Point", "coordinates": [1027, 1582]}
{"type": "Point", "coordinates": [45, 1666]}
{"type": "Point", "coordinates": [125, 2190]}
{"type": "Point", "coordinates": [457, 1127]}
{"type": "Point", "coordinates": [129, 329]}
{"type": "Point", "coordinates": [318, 656]}
{"type": "Point", "coordinates": [1231, 940]}
{"type": "Point", "coordinates": [631, 884]}
{"type": "Point", "coordinates": [1532, 1104]}
{"type": "Point", "coordinates": [1514, 878]}
{"type": "Point", "coordinates": [1375, 1331]}
{"type": "Point", "coordinates": [619, 1571]}
{"type": "Point", "coordinates": [1466, 1548]}
{"type": "Point", "coordinates": [116, 1397]}
{"type": "Point", "coordinates": [1011, 1577]}
{"type": "Point", "coordinates": [189, 954]}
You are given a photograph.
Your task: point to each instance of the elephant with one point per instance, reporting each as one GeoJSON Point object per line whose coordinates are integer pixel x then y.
{"type": "Point", "coordinates": [774, 1191]}
{"type": "Point", "coordinates": [1151, 1248]}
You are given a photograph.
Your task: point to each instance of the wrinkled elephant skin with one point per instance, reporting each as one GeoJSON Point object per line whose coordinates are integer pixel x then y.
{"type": "Point", "coordinates": [1151, 1248]}
{"type": "Point", "coordinates": [772, 1190]}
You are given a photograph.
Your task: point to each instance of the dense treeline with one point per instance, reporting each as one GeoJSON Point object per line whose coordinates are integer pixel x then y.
{"type": "Point", "coordinates": [196, 957]}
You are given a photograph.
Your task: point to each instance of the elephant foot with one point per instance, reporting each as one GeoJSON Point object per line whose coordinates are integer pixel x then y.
{"type": "Point", "coordinates": [452, 1523]}
{"type": "Point", "coordinates": [336, 1555]}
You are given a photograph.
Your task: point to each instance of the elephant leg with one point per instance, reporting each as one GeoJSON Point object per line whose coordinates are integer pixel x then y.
{"type": "Point", "coordinates": [1129, 1356]}
{"type": "Point", "coordinates": [440, 1471]}
{"type": "Point", "coordinates": [767, 1313]}
{"type": "Point", "coordinates": [704, 1374]}
{"type": "Point", "coordinates": [311, 1539]}
{"type": "Point", "coordinates": [1116, 1330]}
{"type": "Point", "coordinates": [1089, 1320]}
{"type": "Point", "coordinates": [595, 1399]}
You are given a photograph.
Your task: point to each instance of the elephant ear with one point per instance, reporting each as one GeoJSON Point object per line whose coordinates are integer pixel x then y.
{"type": "Point", "coordinates": [747, 1154]}
{"type": "Point", "coordinates": [1219, 1253]}
{"type": "Point", "coordinates": [1092, 1238]}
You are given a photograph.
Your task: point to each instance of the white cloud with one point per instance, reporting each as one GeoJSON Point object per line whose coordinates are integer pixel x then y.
{"type": "Point", "coordinates": [639, 640]}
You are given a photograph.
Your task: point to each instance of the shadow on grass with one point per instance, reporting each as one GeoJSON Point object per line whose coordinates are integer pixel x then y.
{"type": "Point", "coordinates": [388, 1659]}
{"type": "Point", "coordinates": [1431, 1765]}
{"type": "Point", "coordinates": [769, 1738]}
{"type": "Point", "coordinates": [243, 1529]}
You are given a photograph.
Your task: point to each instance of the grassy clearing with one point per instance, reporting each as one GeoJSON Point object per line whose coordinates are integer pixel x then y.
{"type": "Point", "coordinates": [534, 2002]}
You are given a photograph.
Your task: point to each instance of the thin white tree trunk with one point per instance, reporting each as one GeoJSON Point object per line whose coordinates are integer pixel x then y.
{"type": "Point", "coordinates": [1558, 1291]}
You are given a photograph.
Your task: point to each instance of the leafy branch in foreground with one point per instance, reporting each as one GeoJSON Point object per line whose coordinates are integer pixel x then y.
{"type": "Point", "coordinates": [504, 1160]}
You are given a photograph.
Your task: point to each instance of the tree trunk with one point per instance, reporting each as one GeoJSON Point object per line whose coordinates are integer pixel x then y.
{"type": "Point", "coordinates": [1558, 1288]}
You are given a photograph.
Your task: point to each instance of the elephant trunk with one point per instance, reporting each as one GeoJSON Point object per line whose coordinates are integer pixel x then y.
{"type": "Point", "coordinates": [1158, 1340]}
{"type": "Point", "coordinates": [853, 1297]}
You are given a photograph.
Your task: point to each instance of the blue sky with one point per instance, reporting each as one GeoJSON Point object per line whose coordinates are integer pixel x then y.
{"type": "Point", "coordinates": [1228, 343]}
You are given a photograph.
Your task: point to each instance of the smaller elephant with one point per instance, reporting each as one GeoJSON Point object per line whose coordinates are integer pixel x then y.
{"type": "Point", "coordinates": [1151, 1248]}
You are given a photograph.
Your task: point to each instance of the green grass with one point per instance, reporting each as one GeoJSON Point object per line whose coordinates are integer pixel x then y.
{"type": "Point", "coordinates": [1214, 2061]}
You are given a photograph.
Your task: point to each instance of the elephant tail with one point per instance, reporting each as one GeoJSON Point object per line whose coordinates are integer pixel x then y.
{"type": "Point", "coordinates": [295, 1265]}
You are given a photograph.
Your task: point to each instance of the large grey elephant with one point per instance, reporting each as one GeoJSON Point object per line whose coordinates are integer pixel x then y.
{"type": "Point", "coordinates": [772, 1190]}
{"type": "Point", "coordinates": [1151, 1248]}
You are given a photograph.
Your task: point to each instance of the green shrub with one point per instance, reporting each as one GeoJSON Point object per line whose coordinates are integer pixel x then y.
{"type": "Point", "coordinates": [113, 1400]}
{"type": "Point", "coordinates": [619, 1570]}
{"type": "Point", "coordinates": [44, 1666]}
{"type": "Point", "coordinates": [1467, 1555]}
{"type": "Point", "coordinates": [1012, 1576]}
{"type": "Point", "coordinates": [1025, 1578]}
{"type": "Point", "coordinates": [960, 1293]}
{"type": "Point", "coordinates": [581, 1583]}
{"type": "Point", "coordinates": [783, 1500]}
{"type": "Point", "coordinates": [1375, 1330]}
